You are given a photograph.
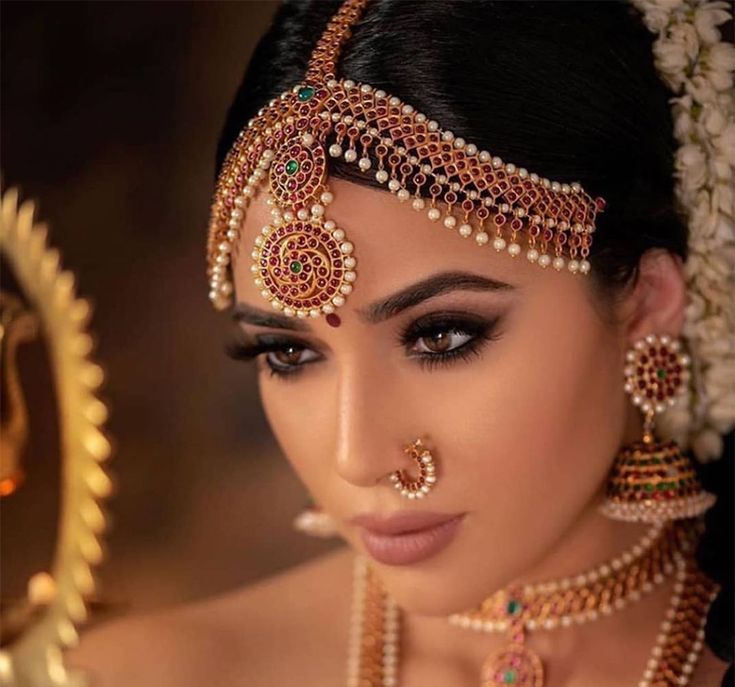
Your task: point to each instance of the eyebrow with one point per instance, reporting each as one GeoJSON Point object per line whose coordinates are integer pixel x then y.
{"type": "Point", "coordinates": [385, 308]}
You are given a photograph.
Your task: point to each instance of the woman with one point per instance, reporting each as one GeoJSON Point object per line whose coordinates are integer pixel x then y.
{"type": "Point", "coordinates": [461, 409]}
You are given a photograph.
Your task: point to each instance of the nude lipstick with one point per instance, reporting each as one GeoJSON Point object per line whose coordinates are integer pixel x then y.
{"type": "Point", "coordinates": [407, 537]}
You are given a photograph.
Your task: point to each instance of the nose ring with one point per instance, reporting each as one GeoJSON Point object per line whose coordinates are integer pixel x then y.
{"type": "Point", "coordinates": [424, 483]}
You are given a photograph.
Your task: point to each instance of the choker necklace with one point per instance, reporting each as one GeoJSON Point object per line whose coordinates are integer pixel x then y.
{"type": "Point", "coordinates": [664, 551]}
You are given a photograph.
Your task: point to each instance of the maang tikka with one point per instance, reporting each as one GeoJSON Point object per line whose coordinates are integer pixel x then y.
{"type": "Point", "coordinates": [654, 481]}
{"type": "Point", "coordinates": [302, 262]}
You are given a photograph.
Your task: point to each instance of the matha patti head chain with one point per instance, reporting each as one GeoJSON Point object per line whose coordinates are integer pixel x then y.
{"type": "Point", "coordinates": [302, 262]}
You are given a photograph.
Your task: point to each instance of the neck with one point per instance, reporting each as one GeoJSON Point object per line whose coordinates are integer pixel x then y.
{"type": "Point", "coordinates": [593, 540]}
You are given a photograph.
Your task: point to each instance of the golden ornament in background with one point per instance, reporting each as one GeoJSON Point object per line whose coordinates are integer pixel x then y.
{"type": "Point", "coordinates": [44, 623]}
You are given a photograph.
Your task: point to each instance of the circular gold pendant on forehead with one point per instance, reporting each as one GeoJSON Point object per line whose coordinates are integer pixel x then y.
{"type": "Point", "coordinates": [304, 267]}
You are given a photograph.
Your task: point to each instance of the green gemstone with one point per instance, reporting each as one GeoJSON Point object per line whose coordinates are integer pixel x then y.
{"type": "Point", "coordinates": [296, 267]}
{"type": "Point", "coordinates": [661, 373]}
{"type": "Point", "coordinates": [305, 93]}
{"type": "Point", "coordinates": [514, 606]}
{"type": "Point", "coordinates": [648, 487]}
{"type": "Point", "coordinates": [509, 677]}
{"type": "Point", "coordinates": [292, 166]}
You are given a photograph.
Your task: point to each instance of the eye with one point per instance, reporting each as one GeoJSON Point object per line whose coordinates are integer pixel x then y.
{"type": "Point", "coordinates": [287, 357]}
{"type": "Point", "coordinates": [282, 356]}
{"type": "Point", "coordinates": [442, 341]}
{"type": "Point", "coordinates": [446, 338]}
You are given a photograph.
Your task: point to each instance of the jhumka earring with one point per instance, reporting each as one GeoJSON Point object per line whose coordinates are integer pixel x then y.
{"type": "Point", "coordinates": [424, 483]}
{"type": "Point", "coordinates": [653, 481]}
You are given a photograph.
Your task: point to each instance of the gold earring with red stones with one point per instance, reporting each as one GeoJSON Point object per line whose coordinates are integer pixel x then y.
{"type": "Point", "coordinates": [416, 488]}
{"type": "Point", "coordinates": [652, 481]}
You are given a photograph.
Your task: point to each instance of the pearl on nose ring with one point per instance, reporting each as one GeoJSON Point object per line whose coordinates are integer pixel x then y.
{"type": "Point", "coordinates": [416, 488]}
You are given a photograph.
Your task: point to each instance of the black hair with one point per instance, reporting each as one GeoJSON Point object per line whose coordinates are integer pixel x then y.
{"type": "Point", "coordinates": [565, 89]}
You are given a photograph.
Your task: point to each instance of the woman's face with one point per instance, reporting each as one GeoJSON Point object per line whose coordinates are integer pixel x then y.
{"type": "Point", "coordinates": [506, 370]}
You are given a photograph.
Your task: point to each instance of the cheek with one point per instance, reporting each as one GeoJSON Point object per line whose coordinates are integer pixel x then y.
{"type": "Point", "coordinates": [300, 419]}
{"type": "Point", "coordinates": [540, 424]}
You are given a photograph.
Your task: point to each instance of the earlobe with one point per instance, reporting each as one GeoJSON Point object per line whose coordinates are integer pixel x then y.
{"type": "Point", "coordinates": [657, 302]}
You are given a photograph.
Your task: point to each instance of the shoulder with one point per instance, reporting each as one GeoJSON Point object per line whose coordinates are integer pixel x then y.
{"type": "Point", "coordinates": [295, 622]}
{"type": "Point", "coordinates": [709, 671]}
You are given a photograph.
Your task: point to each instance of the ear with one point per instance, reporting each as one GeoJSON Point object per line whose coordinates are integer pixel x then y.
{"type": "Point", "coordinates": [656, 304]}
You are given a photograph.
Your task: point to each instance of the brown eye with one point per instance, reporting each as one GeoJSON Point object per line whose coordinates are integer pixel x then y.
{"type": "Point", "coordinates": [288, 356]}
{"type": "Point", "coordinates": [442, 341]}
{"type": "Point", "coordinates": [439, 342]}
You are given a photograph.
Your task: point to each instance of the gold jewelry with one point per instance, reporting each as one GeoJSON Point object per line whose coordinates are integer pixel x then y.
{"type": "Point", "coordinates": [302, 262]}
{"type": "Point", "coordinates": [416, 488]}
{"type": "Point", "coordinates": [56, 603]}
{"type": "Point", "coordinates": [653, 481]}
{"type": "Point", "coordinates": [375, 645]}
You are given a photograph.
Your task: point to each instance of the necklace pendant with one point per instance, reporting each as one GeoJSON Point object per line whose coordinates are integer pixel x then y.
{"type": "Point", "coordinates": [514, 665]}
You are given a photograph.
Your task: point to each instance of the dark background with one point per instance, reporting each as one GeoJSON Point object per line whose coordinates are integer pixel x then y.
{"type": "Point", "coordinates": [110, 117]}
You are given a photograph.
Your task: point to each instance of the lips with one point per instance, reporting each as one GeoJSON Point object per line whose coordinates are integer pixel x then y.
{"type": "Point", "coordinates": [407, 537]}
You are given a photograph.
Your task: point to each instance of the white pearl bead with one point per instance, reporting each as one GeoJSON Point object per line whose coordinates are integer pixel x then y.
{"type": "Point", "coordinates": [573, 266]}
{"type": "Point", "coordinates": [558, 263]}
{"type": "Point", "coordinates": [335, 150]}
{"type": "Point", "coordinates": [346, 248]}
{"type": "Point", "coordinates": [499, 243]}
{"type": "Point", "coordinates": [450, 221]}
{"type": "Point", "coordinates": [403, 195]}
{"type": "Point", "coordinates": [465, 230]}
{"type": "Point", "coordinates": [307, 139]}
{"type": "Point", "coordinates": [329, 225]}
{"type": "Point", "coordinates": [302, 214]}
{"type": "Point", "coordinates": [381, 175]}
{"type": "Point", "coordinates": [338, 234]}
{"type": "Point", "coordinates": [364, 164]}
{"type": "Point", "coordinates": [350, 155]}
{"type": "Point", "coordinates": [544, 260]}
{"type": "Point", "coordinates": [514, 249]}
{"type": "Point", "coordinates": [482, 238]}
{"type": "Point", "coordinates": [393, 185]}
{"type": "Point", "coordinates": [317, 210]}
{"type": "Point", "coordinates": [418, 204]}
{"type": "Point", "coordinates": [433, 214]}
{"type": "Point", "coordinates": [327, 197]}
{"type": "Point", "coordinates": [532, 255]}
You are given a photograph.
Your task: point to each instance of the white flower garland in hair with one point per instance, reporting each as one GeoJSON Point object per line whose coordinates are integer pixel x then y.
{"type": "Point", "coordinates": [698, 66]}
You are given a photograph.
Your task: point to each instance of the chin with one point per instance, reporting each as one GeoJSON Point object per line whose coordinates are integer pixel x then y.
{"type": "Point", "coordinates": [430, 591]}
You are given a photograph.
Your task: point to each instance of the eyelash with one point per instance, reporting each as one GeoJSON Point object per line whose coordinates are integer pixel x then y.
{"type": "Point", "coordinates": [481, 331]}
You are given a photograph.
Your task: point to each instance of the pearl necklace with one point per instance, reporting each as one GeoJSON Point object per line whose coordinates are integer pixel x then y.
{"type": "Point", "coordinates": [375, 624]}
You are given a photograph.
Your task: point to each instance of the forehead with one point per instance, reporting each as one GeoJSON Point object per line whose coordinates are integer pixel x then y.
{"type": "Point", "coordinates": [394, 245]}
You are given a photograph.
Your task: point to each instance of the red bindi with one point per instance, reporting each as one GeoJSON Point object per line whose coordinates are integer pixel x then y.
{"type": "Point", "coordinates": [333, 320]}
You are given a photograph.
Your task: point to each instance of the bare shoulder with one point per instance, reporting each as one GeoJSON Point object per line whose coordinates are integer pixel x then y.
{"type": "Point", "coordinates": [709, 671]}
{"type": "Point", "coordinates": [294, 623]}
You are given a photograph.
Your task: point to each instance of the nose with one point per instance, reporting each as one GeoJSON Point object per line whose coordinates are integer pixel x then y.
{"type": "Point", "coordinates": [368, 447]}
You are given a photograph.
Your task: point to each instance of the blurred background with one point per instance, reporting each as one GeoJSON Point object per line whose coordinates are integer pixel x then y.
{"type": "Point", "coordinates": [110, 118]}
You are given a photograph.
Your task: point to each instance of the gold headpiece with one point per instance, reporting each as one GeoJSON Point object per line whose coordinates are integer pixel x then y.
{"type": "Point", "coordinates": [302, 262]}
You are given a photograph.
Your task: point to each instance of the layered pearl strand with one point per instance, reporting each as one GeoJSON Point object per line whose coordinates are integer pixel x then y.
{"type": "Point", "coordinates": [374, 645]}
